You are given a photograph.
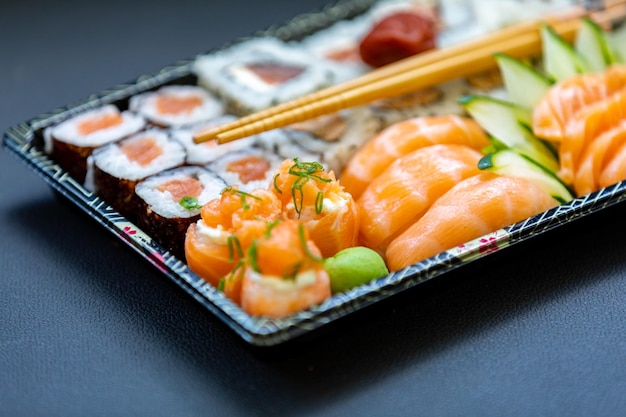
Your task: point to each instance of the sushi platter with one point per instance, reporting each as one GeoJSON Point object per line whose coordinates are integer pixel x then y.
{"type": "Point", "coordinates": [80, 150]}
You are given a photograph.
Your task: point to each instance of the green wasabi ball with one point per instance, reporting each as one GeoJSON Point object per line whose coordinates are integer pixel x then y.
{"type": "Point", "coordinates": [354, 266]}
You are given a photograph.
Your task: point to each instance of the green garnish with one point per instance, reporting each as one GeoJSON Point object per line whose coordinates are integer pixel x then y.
{"type": "Point", "coordinates": [305, 246]}
{"type": "Point", "coordinates": [276, 187]}
{"type": "Point", "coordinates": [252, 257]}
{"type": "Point", "coordinates": [234, 246]}
{"type": "Point", "coordinates": [270, 226]}
{"type": "Point", "coordinates": [189, 203]}
{"type": "Point", "coordinates": [243, 195]}
{"type": "Point", "coordinates": [231, 275]}
{"type": "Point", "coordinates": [306, 171]}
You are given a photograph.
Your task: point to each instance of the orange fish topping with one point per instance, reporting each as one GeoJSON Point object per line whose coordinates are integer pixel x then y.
{"type": "Point", "coordinates": [180, 188]}
{"type": "Point", "coordinates": [349, 54]}
{"type": "Point", "coordinates": [176, 105]}
{"type": "Point", "coordinates": [94, 124]}
{"type": "Point", "coordinates": [251, 168]}
{"type": "Point", "coordinates": [274, 73]}
{"type": "Point", "coordinates": [142, 151]}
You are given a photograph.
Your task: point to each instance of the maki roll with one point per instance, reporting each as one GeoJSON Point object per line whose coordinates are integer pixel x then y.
{"type": "Point", "coordinates": [249, 169]}
{"type": "Point", "coordinates": [177, 105]}
{"type": "Point", "coordinates": [338, 47]}
{"type": "Point", "coordinates": [170, 201]}
{"type": "Point", "coordinates": [71, 142]}
{"type": "Point", "coordinates": [261, 72]}
{"type": "Point", "coordinates": [207, 152]}
{"type": "Point", "coordinates": [116, 168]}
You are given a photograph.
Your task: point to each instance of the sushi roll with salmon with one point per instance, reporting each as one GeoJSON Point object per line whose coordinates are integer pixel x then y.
{"type": "Point", "coordinates": [259, 73]}
{"type": "Point", "coordinates": [72, 141]}
{"type": "Point", "coordinates": [170, 201]}
{"type": "Point", "coordinates": [217, 242]}
{"type": "Point", "coordinates": [177, 105]}
{"type": "Point", "coordinates": [248, 169]}
{"type": "Point", "coordinates": [118, 167]}
{"type": "Point", "coordinates": [206, 152]}
{"type": "Point", "coordinates": [338, 46]}
{"type": "Point", "coordinates": [314, 197]}
{"type": "Point", "coordinates": [283, 272]}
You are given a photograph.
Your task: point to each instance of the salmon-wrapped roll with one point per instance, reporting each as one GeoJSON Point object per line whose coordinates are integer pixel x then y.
{"type": "Point", "coordinates": [228, 225]}
{"type": "Point", "coordinates": [283, 272]}
{"type": "Point", "coordinates": [314, 196]}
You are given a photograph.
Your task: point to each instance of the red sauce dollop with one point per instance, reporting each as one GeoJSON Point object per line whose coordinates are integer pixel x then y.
{"type": "Point", "coordinates": [396, 37]}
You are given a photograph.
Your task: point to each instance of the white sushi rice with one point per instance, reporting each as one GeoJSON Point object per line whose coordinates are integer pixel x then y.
{"type": "Point", "coordinates": [225, 73]}
{"type": "Point", "coordinates": [146, 105]}
{"type": "Point", "coordinates": [207, 152]}
{"type": "Point", "coordinates": [112, 160]}
{"type": "Point", "coordinates": [68, 131]}
{"type": "Point", "coordinates": [343, 35]}
{"type": "Point", "coordinates": [279, 142]}
{"type": "Point", "coordinates": [361, 126]}
{"type": "Point", "coordinates": [164, 204]}
{"type": "Point", "coordinates": [220, 166]}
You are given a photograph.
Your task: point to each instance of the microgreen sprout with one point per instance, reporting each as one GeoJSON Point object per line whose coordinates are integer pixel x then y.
{"type": "Point", "coordinates": [190, 203]}
{"type": "Point", "coordinates": [244, 195]}
{"type": "Point", "coordinates": [306, 171]}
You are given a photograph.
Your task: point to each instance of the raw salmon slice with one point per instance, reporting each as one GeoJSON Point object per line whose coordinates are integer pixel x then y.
{"type": "Point", "coordinates": [590, 123]}
{"type": "Point", "coordinates": [615, 169]}
{"type": "Point", "coordinates": [402, 193]}
{"type": "Point", "coordinates": [170, 104]}
{"type": "Point", "coordinates": [89, 126]}
{"type": "Point", "coordinates": [565, 100]}
{"type": "Point", "coordinates": [404, 137]}
{"type": "Point", "coordinates": [595, 157]}
{"type": "Point", "coordinates": [142, 150]}
{"type": "Point", "coordinates": [474, 207]}
{"type": "Point", "coordinates": [184, 187]}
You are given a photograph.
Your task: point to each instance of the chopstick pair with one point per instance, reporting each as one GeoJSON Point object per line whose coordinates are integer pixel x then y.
{"type": "Point", "coordinates": [411, 74]}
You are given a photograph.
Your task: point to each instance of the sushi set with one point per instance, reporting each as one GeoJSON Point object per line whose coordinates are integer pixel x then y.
{"type": "Point", "coordinates": [216, 219]}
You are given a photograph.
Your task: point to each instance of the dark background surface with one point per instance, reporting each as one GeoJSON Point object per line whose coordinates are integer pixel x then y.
{"type": "Point", "coordinates": [88, 328]}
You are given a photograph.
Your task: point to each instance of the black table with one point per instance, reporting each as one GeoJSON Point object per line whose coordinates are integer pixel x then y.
{"type": "Point", "coordinates": [88, 328]}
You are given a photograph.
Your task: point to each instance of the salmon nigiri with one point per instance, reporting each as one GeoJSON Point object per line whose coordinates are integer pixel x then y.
{"type": "Point", "coordinates": [403, 192]}
{"type": "Point", "coordinates": [475, 206]}
{"type": "Point", "coordinates": [315, 198]}
{"type": "Point", "coordinates": [565, 100]}
{"type": "Point", "coordinates": [283, 272]}
{"type": "Point", "coordinates": [227, 227]}
{"type": "Point", "coordinates": [404, 137]}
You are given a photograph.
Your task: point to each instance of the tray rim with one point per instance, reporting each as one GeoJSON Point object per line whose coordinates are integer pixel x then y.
{"type": "Point", "coordinates": [261, 331]}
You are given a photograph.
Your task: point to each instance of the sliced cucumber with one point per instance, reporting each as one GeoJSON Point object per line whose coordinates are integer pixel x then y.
{"type": "Point", "coordinates": [560, 59]}
{"type": "Point", "coordinates": [524, 84]}
{"type": "Point", "coordinates": [510, 163]}
{"type": "Point", "coordinates": [617, 41]}
{"type": "Point", "coordinates": [592, 43]}
{"type": "Point", "coordinates": [504, 121]}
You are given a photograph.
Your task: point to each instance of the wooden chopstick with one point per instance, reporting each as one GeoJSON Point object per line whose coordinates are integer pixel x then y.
{"type": "Point", "coordinates": [387, 71]}
{"type": "Point", "coordinates": [408, 75]}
